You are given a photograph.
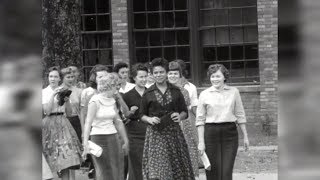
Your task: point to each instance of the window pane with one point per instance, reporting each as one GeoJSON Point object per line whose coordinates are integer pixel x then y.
{"type": "Point", "coordinates": [250, 2]}
{"type": "Point", "coordinates": [142, 55]}
{"type": "Point", "coordinates": [223, 53]}
{"type": "Point", "coordinates": [90, 41]}
{"type": "Point", "coordinates": [221, 17]}
{"type": "Point", "coordinates": [169, 53]}
{"type": "Point", "coordinates": [249, 15]}
{"type": "Point", "coordinates": [183, 53]}
{"type": "Point", "coordinates": [152, 5]}
{"type": "Point", "coordinates": [169, 38]}
{"type": "Point", "coordinates": [207, 37]}
{"type": "Point", "coordinates": [139, 21]}
{"type": "Point", "coordinates": [235, 17]}
{"type": "Point", "coordinates": [105, 40]}
{"type": "Point", "coordinates": [222, 35]}
{"type": "Point", "coordinates": [102, 6]}
{"type": "Point", "coordinates": [236, 35]}
{"type": "Point", "coordinates": [207, 18]}
{"type": "Point", "coordinates": [167, 4]}
{"type": "Point", "coordinates": [89, 23]}
{"type": "Point", "coordinates": [153, 20]}
{"type": "Point", "coordinates": [90, 58]}
{"type": "Point", "coordinates": [141, 39]}
{"type": "Point", "coordinates": [105, 57]}
{"type": "Point", "coordinates": [183, 37]}
{"type": "Point", "coordinates": [251, 34]}
{"type": "Point", "coordinates": [236, 3]}
{"type": "Point", "coordinates": [180, 4]}
{"type": "Point", "coordinates": [206, 4]}
{"type": "Point", "coordinates": [209, 54]}
{"type": "Point", "coordinates": [86, 73]}
{"type": "Point", "coordinates": [103, 23]}
{"type": "Point", "coordinates": [155, 38]}
{"type": "Point", "coordinates": [237, 69]}
{"type": "Point", "coordinates": [181, 19]}
{"type": "Point", "coordinates": [89, 7]}
{"type": "Point", "coordinates": [236, 52]}
{"type": "Point", "coordinates": [138, 5]}
{"type": "Point", "coordinates": [155, 53]}
{"type": "Point", "coordinates": [251, 52]}
{"type": "Point", "coordinates": [168, 19]}
{"type": "Point", "coordinates": [252, 68]}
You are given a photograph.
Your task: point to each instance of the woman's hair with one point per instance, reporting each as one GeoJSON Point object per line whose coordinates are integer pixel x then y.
{"type": "Point", "coordinates": [107, 83]}
{"type": "Point", "coordinates": [183, 67]}
{"type": "Point", "coordinates": [93, 74]}
{"type": "Point", "coordinates": [66, 71]}
{"type": "Point", "coordinates": [175, 66]}
{"type": "Point", "coordinates": [138, 67]}
{"type": "Point", "coordinates": [213, 68]}
{"type": "Point", "coordinates": [159, 62]}
{"type": "Point", "coordinates": [119, 66]}
{"type": "Point", "coordinates": [54, 68]}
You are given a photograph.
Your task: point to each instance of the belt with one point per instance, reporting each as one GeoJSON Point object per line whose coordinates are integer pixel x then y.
{"type": "Point", "coordinates": [56, 114]}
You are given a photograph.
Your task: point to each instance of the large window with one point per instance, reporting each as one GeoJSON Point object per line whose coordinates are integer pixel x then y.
{"type": "Point", "coordinates": [228, 35]}
{"type": "Point", "coordinates": [226, 31]}
{"type": "Point", "coordinates": [96, 33]}
{"type": "Point", "coordinates": [160, 28]}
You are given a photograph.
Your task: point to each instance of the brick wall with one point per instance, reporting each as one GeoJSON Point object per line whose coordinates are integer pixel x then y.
{"type": "Point", "coordinates": [120, 31]}
{"type": "Point", "coordinates": [268, 57]}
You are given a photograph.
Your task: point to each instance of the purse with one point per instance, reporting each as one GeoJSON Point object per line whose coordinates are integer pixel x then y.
{"type": "Point", "coordinates": [95, 149]}
{"type": "Point", "coordinates": [165, 121]}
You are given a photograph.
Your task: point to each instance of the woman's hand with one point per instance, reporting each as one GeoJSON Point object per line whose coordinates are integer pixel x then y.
{"type": "Point", "coordinates": [246, 143]}
{"type": "Point", "coordinates": [201, 148]}
{"type": "Point", "coordinates": [153, 120]}
{"type": "Point", "coordinates": [85, 151]}
{"type": "Point", "coordinates": [125, 148]}
{"type": "Point", "coordinates": [175, 117]}
{"type": "Point", "coordinates": [133, 109]}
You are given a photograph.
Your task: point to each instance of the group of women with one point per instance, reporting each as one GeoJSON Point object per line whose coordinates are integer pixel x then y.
{"type": "Point", "coordinates": [158, 122]}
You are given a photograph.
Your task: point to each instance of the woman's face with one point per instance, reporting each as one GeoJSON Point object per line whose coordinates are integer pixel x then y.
{"type": "Point", "coordinates": [217, 79]}
{"type": "Point", "coordinates": [54, 78]}
{"type": "Point", "coordinates": [68, 79]}
{"type": "Point", "coordinates": [174, 76]}
{"type": "Point", "coordinates": [100, 75]}
{"type": "Point", "coordinates": [159, 74]}
{"type": "Point", "coordinates": [124, 73]}
{"type": "Point", "coordinates": [150, 78]}
{"type": "Point", "coordinates": [141, 78]}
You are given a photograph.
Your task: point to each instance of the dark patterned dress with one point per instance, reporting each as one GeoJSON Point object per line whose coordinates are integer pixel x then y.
{"type": "Point", "coordinates": [165, 154]}
{"type": "Point", "coordinates": [188, 129]}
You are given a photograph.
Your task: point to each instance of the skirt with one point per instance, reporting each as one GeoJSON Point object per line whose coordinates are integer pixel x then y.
{"type": "Point", "coordinates": [221, 140]}
{"type": "Point", "coordinates": [75, 122]}
{"type": "Point", "coordinates": [165, 155]}
{"type": "Point", "coordinates": [190, 134]}
{"type": "Point", "coordinates": [136, 133]}
{"type": "Point", "coordinates": [46, 171]}
{"type": "Point", "coordinates": [110, 164]}
{"type": "Point", "coordinates": [61, 146]}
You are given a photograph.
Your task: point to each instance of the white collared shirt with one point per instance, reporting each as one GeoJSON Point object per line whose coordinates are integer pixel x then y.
{"type": "Point", "coordinates": [127, 88]}
{"type": "Point", "coordinates": [219, 106]}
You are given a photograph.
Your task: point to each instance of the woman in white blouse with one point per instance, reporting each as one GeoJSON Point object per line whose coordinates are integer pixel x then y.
{"type": "Point", "coordinates": [219, 112]}
{"type": "Point", "coordinates": [102, 125]}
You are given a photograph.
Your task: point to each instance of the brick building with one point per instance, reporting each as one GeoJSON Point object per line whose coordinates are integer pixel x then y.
{"type": "Point", "coordinates": [241, 34]}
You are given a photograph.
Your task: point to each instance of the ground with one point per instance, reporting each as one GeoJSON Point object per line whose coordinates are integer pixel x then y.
{"type": "Point", "coordinates": [260, 163]}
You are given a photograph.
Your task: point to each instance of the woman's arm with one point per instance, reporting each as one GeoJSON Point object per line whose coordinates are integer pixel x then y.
{"type": "Point", "coordinates": [82, 117]}
{"type": "Point", "coordinates": [121, 129]}
{"type": "Point", "coordinates": [245, 136]}
{"type": "Point", "coordinates": [124, 108]}
{"type": "Point", "coordinates": [92, 110]}
{"type": "Point", "coordinates": [68, 107]}
{"type": "Point", "coordinates": [201, 145]}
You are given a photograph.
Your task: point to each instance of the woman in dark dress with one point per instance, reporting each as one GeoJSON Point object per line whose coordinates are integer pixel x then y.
{"type": "Point", "coordinates": [136, 129]}
{"type": "Point", "coordinates": [165, 154]}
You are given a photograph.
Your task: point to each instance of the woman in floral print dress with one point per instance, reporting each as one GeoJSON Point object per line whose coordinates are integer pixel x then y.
{"type": "Point", "coordinates": [165, 155]}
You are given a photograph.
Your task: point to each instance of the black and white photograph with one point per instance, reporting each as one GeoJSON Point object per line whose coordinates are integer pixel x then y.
{"type": "Point", "coordinates": [159, 90]}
